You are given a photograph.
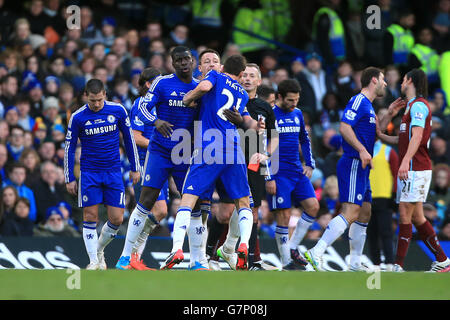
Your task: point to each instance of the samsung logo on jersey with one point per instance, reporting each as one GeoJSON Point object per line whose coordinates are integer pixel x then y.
{"type": "Point", "coordinates": [176, 103]}
{"type": "Point", "coordinates": [100, 130]}
{"type": "Point", "coordinates": [235, 86]}
{"type": "Point", "coordinates": [288, 129]}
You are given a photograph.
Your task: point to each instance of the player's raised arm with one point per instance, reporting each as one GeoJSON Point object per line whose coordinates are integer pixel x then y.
{"type": "Point", "coordinates": [130, 145]}
{"type": "Point", "coordinates": [69, 153]}
{"type": "Point", "coordinates": [202, 88]}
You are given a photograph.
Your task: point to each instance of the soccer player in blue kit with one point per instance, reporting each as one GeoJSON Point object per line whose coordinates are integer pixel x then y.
{"type": "Point", "coordinates": [292, 180]}
{"type": "Point", "coordinates": [220, 156]}
{"type": "Point", "coordinates": [97, 124]}
{"type": "Point", "coordinates": [143, 129]}
{"type": "Point", "coordinates": [358, 130]}
{"type": "Point", "coordinates": [166, 94]}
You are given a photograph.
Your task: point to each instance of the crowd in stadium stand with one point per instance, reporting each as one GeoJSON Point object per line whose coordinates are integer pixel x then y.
{"type": "Point", "coordinates": [325, 45]}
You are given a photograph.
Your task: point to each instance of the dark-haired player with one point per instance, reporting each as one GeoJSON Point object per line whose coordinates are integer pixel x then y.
{"type": "Point", "coordinates": [415, 171]}
{"type": "Point", "coordinates": [98, 124]}
{"type": "Point", "coordinates": [358, 129]}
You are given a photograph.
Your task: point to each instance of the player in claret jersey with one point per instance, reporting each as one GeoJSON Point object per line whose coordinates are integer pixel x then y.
{"type": "Point", "coordinates": [166, 94]}
{"type": "Point", "coordinates": [97, 124]}
{"type": "Point", "coordinates": [414, 173]}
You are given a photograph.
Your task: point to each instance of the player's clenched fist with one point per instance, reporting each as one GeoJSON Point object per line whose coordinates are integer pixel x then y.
{"type": "Point", "coordinates": [72, 187]}
{"type": "Point", "coordinates": [135, 176]}
{"type": "Point", "coordinates": [271, 187]}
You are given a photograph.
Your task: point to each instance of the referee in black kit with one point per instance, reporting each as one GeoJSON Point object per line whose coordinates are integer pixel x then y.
{"type": "Point", "coordinates": [266, 142]}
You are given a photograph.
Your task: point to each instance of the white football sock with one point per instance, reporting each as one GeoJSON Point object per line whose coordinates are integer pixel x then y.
{"type": "Point", "coordinates": [150, 224]}
{"type": "Point", "coordinates": [301, 229]}
{"type": "Point", "coordinates": [182, 222]}
{"type": "Point", "coordinates": [245, 224]}
{"type": "Point", "coordinates": [282, 239]}
{"type": "Point", "coordinates": [195, 236]}
{"type": "Point", "coordinates": [206, 211]}
{"type": "Point", "coordinates": [90, 238]}
{"type": "Point", "coordinates": [233, 233]}
{"type": "Point", "coordinates": [357, 235]}
{"type": "Point", "coordinates": [334, 230]}
{"type": "Point", "coordinates": [108, 233]}
{"type": "Point", "coordinates": [136, 223]}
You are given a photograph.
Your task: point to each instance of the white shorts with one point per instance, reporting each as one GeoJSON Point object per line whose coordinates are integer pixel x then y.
{"type": "Point", "coordinates": [416, 188]}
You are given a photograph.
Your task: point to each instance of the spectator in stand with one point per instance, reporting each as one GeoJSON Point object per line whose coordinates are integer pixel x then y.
{"type": "Point", "coordinates": [51, 113]}
{"type": "Point", "coordinates": [432, 216]}
{"type": "Point", "coordinates": [439, 195]}
{"type": "Point", "coordinates": [132, 38]}
{"type": "Point", "coordinates": [439, 150]}
{"type": "Point", "coordinates": [153, 31]}
{"type": "Point", "coordinates": [331, 159]}
{"type": "Point", "coordinates": [47, 151]}
{"type": "Point", "coordinates": [18, 224]}
{"type": "Point", "coordinates": [4, 131]}
{"type": "Point", "coordinates": [55, 225]}
{"type": "Point", "coordinates": [279, 74]}
{"type": "Point", "coordinates": [267, 221]}
{"type": "Point", "coordinates": [31, 161]}
{"type": "Point", "coordinates": [66, 211]}
{"type": "Point", "coordinates": [47, 191]}
{"type": "Point", "coordinates": [36, 95]}
{"type": "Point", "coordinates": [441, 24]}
{"type": "Point", "coordinates": [297, 66]}
{"type": "Point", "coordinates": [25, 120]}
{"type": "Point", "coordinates": [12, 116]}
{"type": "Point", "coordinates": [3, 162]}
{"type": "Point", "coordinates": [156, 60]}
{"type": "Point", "coordinates": [15, 145]}
{"type": "Point", "coordinates": [9, 196]}
{"type": "Point", "coordinates": [331, 114]}
{"type": "Point", "coordinates": [444, 233]}
{"type": "Point", "coordinates": [120, 49]}
{"type": "Point", "coordinates": [51, 86]}
{"type": "Point", "coordinates": [9, 90]}
{"type": "Point", "coordinates": [89, 33]}
{"type": "Point", "coordinates": [28, 139]}
{"type": "Point", "coordinates": [39, 132]}
{"type": "Point", "coordinates": [33, 66]}
{"type": "Point", "coordinates": [36, 17]}
{"type": "Point", "coordinates": [317, 182]}
{"type": "Point", "coordinates": [269, 62]}
{"type": "Point", "coordinates": [57, 68]}
{"type": "Point", "coordinates": [112, 64]}
{"type": "Point", "coordinates": [121, 93]}
{"type": "Point", "coordinates": [108, 31]}
{"type": "Point", "coordinates": [330, 195]}
{"type": "Point", "coordinates": [314, 83]}
{"type": "Point", "coordinates": [16, 178]}
{"type": "Point", "coordinates": [344, 83]}
{"type": "Point", "coordinates": [66, 97]}
{"type": "Point", "coordinates": [179, 36]}
{"type": "Point", "coordinates": [98, 50]}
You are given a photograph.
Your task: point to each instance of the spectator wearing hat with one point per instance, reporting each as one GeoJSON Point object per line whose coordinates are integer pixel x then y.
{"type": "Point", "coordinates": [108, 31]}
{"type": "Point", "coordinates": [66, 211]}
{"type": "Point", "coordinates": [51, 113]}
{"type": "Point", "coordinates": [297, 65]}
{"type": "Point", "coordinates": [315, 83]}
{"type": "Point", "coordinates": [331, 159]}
{"type": "Point", "coordinates": [16, 177]}
{"type": "Point", "coordinates": [12, 116]}
{"type": "Point", "coordinates": [55, 225]}
{"type": "Point", "coordinates": [23, 107]}
{"type": "Point", "coordinates": [36, 95]}
{"type": "Point", "coordinates": [52, 84]}
{"type": "Point", "coordinates": [18, 224]}
{"type": "Point", "coordinates": [47, 191]}
{"type": "Point", "coordinates": [39, 132]}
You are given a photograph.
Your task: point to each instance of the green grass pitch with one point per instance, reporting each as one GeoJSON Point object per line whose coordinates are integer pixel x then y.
{"type": "Point", "coordinates": [225, 285]}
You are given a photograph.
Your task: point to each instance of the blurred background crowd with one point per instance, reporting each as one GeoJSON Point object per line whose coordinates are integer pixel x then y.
{"type": "Point", "coordinates": [45, 63]}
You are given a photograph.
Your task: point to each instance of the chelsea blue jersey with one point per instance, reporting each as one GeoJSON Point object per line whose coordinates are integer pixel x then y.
{"type": "Point", "coordinates": [217, 133]}
{"type": "Point", "coordinates": [143, 124]}
{"type": "Point", "coordinates": [360, 115]}
{"type": "Point", "coordinates": [100, 139]}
